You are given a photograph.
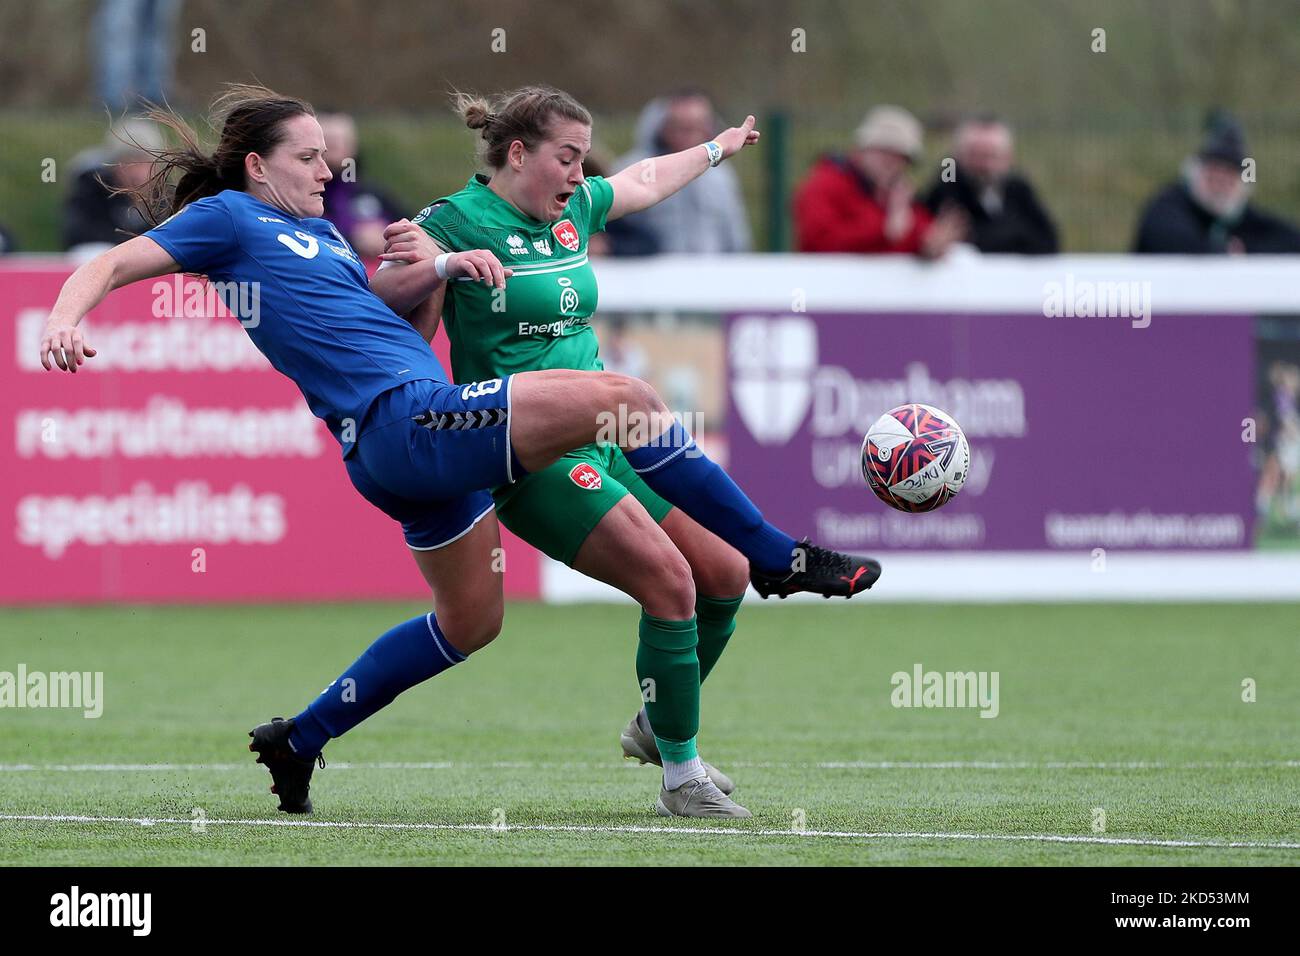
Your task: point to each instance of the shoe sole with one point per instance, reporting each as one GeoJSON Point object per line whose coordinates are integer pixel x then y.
{"type": "Point", "coordinates": [633, 751]}
{"type": "Point", "coordinates": [765, 591]}
{"type": "Point", "coordinates": [665, 812]}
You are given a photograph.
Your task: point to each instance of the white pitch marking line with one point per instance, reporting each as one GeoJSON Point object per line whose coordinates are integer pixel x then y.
{"type": "Point", "coordinates": [701, 831]}
{"type": "Point", "coordinates": [751, 765]}
{"type": "Point", "coordinates": [1043, 765]}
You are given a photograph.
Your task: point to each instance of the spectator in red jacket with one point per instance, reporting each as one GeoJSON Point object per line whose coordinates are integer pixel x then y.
{"type": "Point", "coordinates": [865, 201]}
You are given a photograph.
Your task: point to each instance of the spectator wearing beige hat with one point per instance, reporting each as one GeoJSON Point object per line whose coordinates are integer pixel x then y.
{"type": "Point", "coordinates": [865, 201]}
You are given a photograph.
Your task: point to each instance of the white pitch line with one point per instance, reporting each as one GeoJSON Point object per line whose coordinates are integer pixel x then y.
{"type": "Point", "coordinates": [1046, 765]}
{"type": "Point", "coordinates": [699, 831]}
{"type": "Point", "coordinates": [744, 765]}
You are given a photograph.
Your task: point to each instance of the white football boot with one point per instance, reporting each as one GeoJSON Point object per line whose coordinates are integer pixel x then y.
{"type": "Point", "coordinates": [698, 798]}
{"type": "Point", "coordinates": [639, 744]}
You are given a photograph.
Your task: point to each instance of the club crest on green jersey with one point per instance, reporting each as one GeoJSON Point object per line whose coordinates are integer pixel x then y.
{"type": "Point", "coordinates": [566, 234]}
{"type": "Point", "coordinates": [584, 476]}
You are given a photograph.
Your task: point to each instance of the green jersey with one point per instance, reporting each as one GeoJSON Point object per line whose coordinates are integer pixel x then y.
{"type": "Point", "coordinates": [543, 317]}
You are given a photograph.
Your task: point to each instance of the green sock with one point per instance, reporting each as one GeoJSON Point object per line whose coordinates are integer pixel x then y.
{"type": "Point", "coordinates": [669, 673]}
{"type": "Point", "coordinates": [716, 620]}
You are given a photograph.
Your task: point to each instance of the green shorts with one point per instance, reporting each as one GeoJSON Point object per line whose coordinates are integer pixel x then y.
{"type": "Point", "coordinates": [556, 508]}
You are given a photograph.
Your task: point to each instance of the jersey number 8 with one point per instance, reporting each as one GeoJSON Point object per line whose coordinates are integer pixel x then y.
{"type": "Point", "coordinates": [475, 389]}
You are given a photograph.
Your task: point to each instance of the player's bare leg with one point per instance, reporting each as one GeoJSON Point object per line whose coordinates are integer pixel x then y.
{"type": "Point", "coordinates": [556, 410]}
{"type": "Point", "coordinates": [718, 569]}
{"type": "Point", "coordinates": [466, 586]}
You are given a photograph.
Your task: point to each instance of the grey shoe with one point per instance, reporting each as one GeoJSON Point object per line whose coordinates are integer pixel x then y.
{"type": "Point", "coordinates": [639, 744]}
{"type": "Point", "coordinates": [698, 798]}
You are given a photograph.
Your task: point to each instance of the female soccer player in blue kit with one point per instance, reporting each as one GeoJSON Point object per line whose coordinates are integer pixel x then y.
{"type": "Point", "coordinates": [420, 449]}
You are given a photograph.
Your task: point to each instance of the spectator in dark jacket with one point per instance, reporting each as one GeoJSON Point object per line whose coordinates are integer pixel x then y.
{"type": "Point", "coordinates": [1209, 210]}
{"type": "Point", "coordinates": [94, 216]}
{"type": "Point", "coordinates": [864, 202]}
{"type": "Point", "coordinates": [1004, 213]}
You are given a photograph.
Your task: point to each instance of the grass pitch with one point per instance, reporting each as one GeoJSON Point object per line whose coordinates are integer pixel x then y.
{"type": "Point", "coordinates": [1136, 710]}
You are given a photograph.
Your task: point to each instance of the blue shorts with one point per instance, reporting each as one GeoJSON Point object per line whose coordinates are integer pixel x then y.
{"type": "Point", "coordinates": [428, 453]}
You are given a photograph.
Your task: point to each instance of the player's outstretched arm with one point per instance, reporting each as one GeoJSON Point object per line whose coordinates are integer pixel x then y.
{"type": "Point", "coordinates": [139, 258]}
{"type": "Point", "coordinates": [653, 180]}
{"type": "Point", "coordinates": [409, 246]}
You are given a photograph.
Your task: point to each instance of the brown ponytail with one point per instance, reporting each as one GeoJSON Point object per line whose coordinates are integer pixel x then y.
{"type": "Point", "coordinates": [251, 119]}
{"type": "Point", "coordinates": [526, 114]}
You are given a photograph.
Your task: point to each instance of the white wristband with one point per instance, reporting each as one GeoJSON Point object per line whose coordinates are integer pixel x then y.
{"type": "Point", "coordinates": [440, 265]}
{"type": "Point", "coordinates": [714, 151]}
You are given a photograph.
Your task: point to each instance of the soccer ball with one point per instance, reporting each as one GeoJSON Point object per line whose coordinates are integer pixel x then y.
{"type": "Point", "coordinates": [915, 458]}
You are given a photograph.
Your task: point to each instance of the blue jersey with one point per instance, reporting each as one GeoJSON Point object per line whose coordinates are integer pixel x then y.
{"type": "Point", "coordinates": [305, 302]}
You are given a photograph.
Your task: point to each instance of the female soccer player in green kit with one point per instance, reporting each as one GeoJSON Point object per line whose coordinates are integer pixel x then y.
{"type": "Point", "coordinates": [590, 509]}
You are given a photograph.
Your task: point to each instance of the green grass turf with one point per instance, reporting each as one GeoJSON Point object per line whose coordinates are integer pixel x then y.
{"type": "Point", "coordinates": [800, 685]}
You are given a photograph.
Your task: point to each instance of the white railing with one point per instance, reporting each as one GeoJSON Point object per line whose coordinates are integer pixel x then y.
{"type": "Point", "coordinates": [963, 282]}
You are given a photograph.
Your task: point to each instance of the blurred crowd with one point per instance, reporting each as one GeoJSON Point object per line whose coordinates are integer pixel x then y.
{"type": "Point", "coordinates": [866, 199]}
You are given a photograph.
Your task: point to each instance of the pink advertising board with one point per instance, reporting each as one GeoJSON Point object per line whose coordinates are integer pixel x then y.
{"type": "Point", "coordinates": [177, 465]}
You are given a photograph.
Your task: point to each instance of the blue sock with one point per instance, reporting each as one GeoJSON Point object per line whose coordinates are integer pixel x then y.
{"type": "Point", "coordinates": [677, 471]}
{"type": "Point", "coordinates": [410, 653]}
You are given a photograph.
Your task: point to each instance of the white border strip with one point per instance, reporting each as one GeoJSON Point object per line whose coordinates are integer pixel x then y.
{"type": "Point", "coordinates": [1045, 577]}
{"type": "Point", "coordinates": [675, 830]}
{"type": "Point", "coordinates": [964, 281]}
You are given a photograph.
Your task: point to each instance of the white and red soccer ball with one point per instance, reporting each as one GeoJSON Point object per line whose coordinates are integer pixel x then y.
{"type": "Point", "coordinates": [915, 457]}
